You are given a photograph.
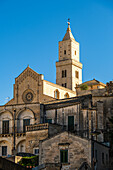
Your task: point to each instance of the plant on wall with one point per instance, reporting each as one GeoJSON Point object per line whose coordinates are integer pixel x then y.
{"type": "Point", "coordinates": [84, 87]}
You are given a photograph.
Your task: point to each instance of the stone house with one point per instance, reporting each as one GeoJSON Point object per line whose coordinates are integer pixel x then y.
{"type": "Point", "coordinates": [65, 148]}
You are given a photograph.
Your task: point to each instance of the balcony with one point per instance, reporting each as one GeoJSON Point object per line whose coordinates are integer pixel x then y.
{"type": "Point", "coordinates": [21, 131]}
{"type": "Point", "coordinates": [37, 127]}
{"type": "Point", "coordinates": [8, 132]}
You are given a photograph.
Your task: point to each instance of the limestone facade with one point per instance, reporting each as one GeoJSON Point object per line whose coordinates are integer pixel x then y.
{"type": "Point", "coordinates": [75, 114]}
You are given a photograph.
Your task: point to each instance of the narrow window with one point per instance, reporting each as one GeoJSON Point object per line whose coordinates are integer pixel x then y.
{"type": "Point", "coordinates": [4, 150]}
{"type": "Point", "coordinates": [102, 158]}
{"type": "Point", "coordinates": [106, 159]}
{"type": "Point", "coordinates": [36, 151]}
{"type": "Point", "coordinates": [77, 74]}
{"type": "Point", "coordinates": [63, 156]}
{"type": "Point", "coordinates": [21, 148]}
{"type": "Point", "coordinates": [96, 154]}
{"type": "Point", "coordinates": [64, 73]}
{"type": "Point", "coordinates": [64, 51]}
{"type": "Point", "coordinates": [26, 122]}
{"type": "Point", "coordinates": [75, 52]}
{"type": "Point", "coordinates": [56, 94]}
{"type": "Point", "coordinates": [49, 121]}
{"type": "Point", "coordinates": [64, 85]}
{"type": "Point", "coordinates": [66, 95]}
{"type": "Point", "coordinates": [5, 127]}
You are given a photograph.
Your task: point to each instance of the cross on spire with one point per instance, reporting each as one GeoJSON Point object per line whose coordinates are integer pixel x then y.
{"type": "Point", "coordinates": [68, 21]}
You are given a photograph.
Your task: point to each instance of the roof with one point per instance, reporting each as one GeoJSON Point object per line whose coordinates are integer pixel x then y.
{"type": "Point", "coordinates": [26, 70]}
{"type": "Point", "coordinates": [92, 82]}
{"type": "Point", "coordinates": [68, 35]}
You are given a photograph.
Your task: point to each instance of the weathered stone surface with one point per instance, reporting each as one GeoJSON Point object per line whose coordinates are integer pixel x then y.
{"type": "Point", "coordinates": [79, 150]}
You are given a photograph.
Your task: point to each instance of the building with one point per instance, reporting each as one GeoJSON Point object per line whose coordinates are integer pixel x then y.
{"type": "Point", "coordinates": [41, 111]}
{"type": "Point", "coordinates": [30, 89]}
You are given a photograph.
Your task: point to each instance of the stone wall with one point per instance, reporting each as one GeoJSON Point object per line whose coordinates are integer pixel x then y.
{"type": "Point", "coordinates": [40, 132]}
{"type": "Point", "coordinates": [33, 138]}
{"type": "Point", "coordinates": [99, 149]}
{"type": "Point", "coordinates": [79, 150]}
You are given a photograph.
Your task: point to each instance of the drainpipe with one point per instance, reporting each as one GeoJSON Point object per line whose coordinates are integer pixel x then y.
{"type": "Point", "coordinates": [14, 151]}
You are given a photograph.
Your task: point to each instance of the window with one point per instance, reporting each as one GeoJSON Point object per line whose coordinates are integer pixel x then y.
{"type": "Point", "coordinates": [66, 95]}
{"type": "Point", "coordinates": [70, 123]}
{"type": "Point", "coordinates": [48, 120]}
{"type": "Point", "coordinates": [75, 52]}
{"type": "Point", "coordinates": [102, 158]}
{"type": "Point", "coordinates": [64, 73]}
{"type": "Point", "coordinates": [64, 85]}
{"type": "Point", "coordinates": [5, 127]}
{"type": "Point", "coordinates": [56, 94]}
{"type": "Point", "coordinates": [96, 154]}
{"type": "Point", "coordinates": [64, 51]}
{"type": "Point", "coordinates": [21, 148]}
{"type": "Point", "coordinates": [77, 74]}
{"type": "Point", "coordinates": [98, 87]}
{"type": "Point", "coordinates": [26, 122]}
{"type": "Point", "coordinates": [64, 156]}
{"type": "Point", "coordinates": [4, 150]}
{"type": "Point", "coordinates": [36, 151]}
{"type": "Point", "coordinates": [106, 159]}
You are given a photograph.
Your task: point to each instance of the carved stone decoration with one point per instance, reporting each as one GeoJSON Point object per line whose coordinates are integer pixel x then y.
{"type": "Point", "coordinates": [28, 96]}
{"type": "Point", "coordinates": [27, 72]}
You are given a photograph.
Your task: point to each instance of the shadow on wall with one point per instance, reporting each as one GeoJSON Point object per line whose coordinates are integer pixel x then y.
{"type": "Point", "coordinates": [8, 165]}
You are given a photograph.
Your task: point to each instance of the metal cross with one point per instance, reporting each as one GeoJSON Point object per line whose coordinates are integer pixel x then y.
{"type": "Point", "coordinates": [68, 21]}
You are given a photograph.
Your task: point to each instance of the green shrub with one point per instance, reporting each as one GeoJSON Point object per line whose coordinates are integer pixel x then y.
{"type": "Point", "coordinates": [84, 87]}
{"type": "Point", "coordinates": [29, 161]}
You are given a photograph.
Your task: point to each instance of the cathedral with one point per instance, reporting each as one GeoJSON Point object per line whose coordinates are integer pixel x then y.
{"type": "Point", "coordinates": [31, 90]}
{"type": "Point", "coordinates": [42, 113]}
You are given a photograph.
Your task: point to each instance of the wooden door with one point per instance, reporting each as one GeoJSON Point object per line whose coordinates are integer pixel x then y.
{"type": "Point", "coordinates": [70, 123]}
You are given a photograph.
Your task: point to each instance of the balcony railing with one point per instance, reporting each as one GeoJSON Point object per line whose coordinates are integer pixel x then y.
{"type": "Point", "coordinates": [10, 130]}
{"type": "Point", "coordinates": [20, 129]}
{"type": "Point", "coordinates": [6, 130]}
{"type": "Point", "coordinates": [37, 127]}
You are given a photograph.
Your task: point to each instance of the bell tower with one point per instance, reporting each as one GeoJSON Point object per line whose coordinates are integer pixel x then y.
{"type": "Point", "coordinates": [68, 68]}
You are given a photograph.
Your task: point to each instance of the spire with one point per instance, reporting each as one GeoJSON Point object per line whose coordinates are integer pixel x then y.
{"type": "Point", "coordinates": [69, 29]}
{"type": "Point", "coordinates": [68, 34]}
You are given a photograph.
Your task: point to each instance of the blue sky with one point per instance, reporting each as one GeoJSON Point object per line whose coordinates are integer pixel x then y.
{"type": "Point", "coordinates": [30, 31]}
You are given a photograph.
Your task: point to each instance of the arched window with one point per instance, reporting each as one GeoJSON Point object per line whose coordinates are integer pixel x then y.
{"type": "Point", "coordinates": [66, 95]}
{"type": "Point", "coordinates": [56, 94]}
